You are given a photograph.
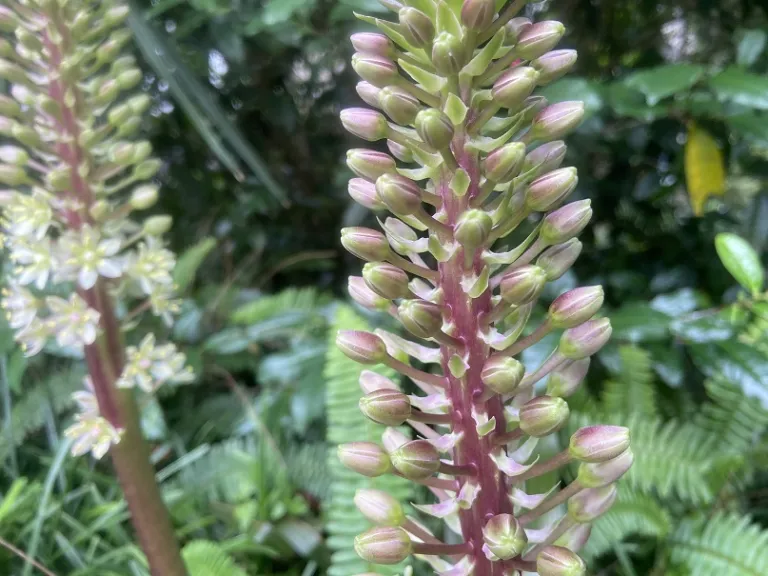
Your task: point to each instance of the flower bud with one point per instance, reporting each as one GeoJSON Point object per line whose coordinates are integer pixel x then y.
{"type": "Point", "coordinates": [434, 128]}
{"type": "Point", "coordinates": [129, 127]}
{"type": "Point", "coordinates": [504, 536]}
{"type": "Point", "coordinates": [372, 43]}
{"type": "Point", "coordinates": [399, 105]}
{"type": "Point", "coordinates": [599, 474]}
{"type": "Point", "coordinates": [387, 407]}
{"type": "Point", "coordinates": [478, 14]}
{"type": "Point", "coordinates": [588, 505]}
{"type": "Point", "coordinates": [364, 193]}
{"type": "Point", "coordinates": [473, 228]}
{"type": "Point", "coordinates": [576, 538]}
{"type": "Point", "coordinates": [139, 104]}
{"type": "Point", "coordinates": [371, 381]}
{"type": "Point", "coordinates": [13, 73]}
{"type": "Point", "coordinates": [575, 306]}
{"type": "Point", "coordinates": [8, 19]}
{"type": "Point", "coordinates": [416, 27]}
{"type": "Point", "coordinates": [26, 135]}
{"type": "Point", "coordinates": [557, 120]}
{"type": "Point", "coordinates": [543, 415]}
{"type": "Point", "coordinates": [129, 79]}
{"type": "Point", "coordinates": [585, 339]}
{"type": "Point", "coordinates": [400, 194]}
{"type": "Point", "coordinates": [523, 285]}
{"type": "Point", "coordinates": [558, 259]}
{"type": "Point", "coordinates": [515, 29]}
{"type": "Point", "coordinates": [550, 189]}
{"type": "Point", "coordinates": [399, 151]}
{"type": "Point", "coordinates": [13, 175]}
{"type": "Point", "coordinates": [146, 169]}
{"type": "Point", "coordinates": [559, 561]}
{"type": "Point", "coordinates": [502, 374]}
{"type": "Point", "coordinates": [365, 458]}
{"type": "Point", "coordinates": [538, 39]}
{"type": "Point", "coordinates": [374, 69]}
{"type": "Point", "coordinates": [379, 507]}
{"type": "Point", "coordinates": [503, 164]}
{"type": "Point", "coordinates": [29, 40]}
{"type": "Point", "coordinates": [544, 158]}
{"type": "Point", "coordinates": [386, 280]}
{"type": "Point", "coordinates": [119, 114]}
{"type": "Point", "coordinates": [393, 438]}
{"type": "Point", "coordinates": [598, 443]}
{"type": "Point", "coordinates": [14, 155]}
{"type": "Point", "coordinates": [514, 86]}
{"type": "Point", "coordinates": [447, 54]}
{"type": "Point", "coordinates": [144, 197]}
{"type": "Point", "coordinates": [59, 178]}
{"type": "Point", "coordinates": [9, 106]}
{"type": "Point", "coordinates": [566, 222]}
{"type": "Point", "coordinates": [369, 93]}
{"type": "Point", "coordinates": [369, 164]}
{"type": "Point", "coordinates": [421, 318]}
{"type": "Point", "coordinates": [367, 298]}
{"type": "Point", "coordinates": [364, 123]}
{"type": "Point", "coordinates": [122, 153]}
{"type": "Point", "coordinates": [157, 225]}
{"type": "Point", "coordinates": [554, 65]}
{"type": "Point", "coordinates": [416, 459]}
{"type": "Point", "coordinates": [360, 346]}
{"type": "Point", "coordinates": [563, 382]}
{"type": "Point", "coordinates": [384, 545]}
{"type": "Point", "coordinates": [115, 15]}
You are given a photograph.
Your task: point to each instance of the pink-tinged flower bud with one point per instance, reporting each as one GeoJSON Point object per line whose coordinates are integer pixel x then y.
{"type": "Point", "coordinates": [563, 382]}
{"type": "Point", "coordinates": [538, 39]}
{"type": "Point", "coordinates": [558, 259]}
{"type": "Point", "coordinates": [545, 158]}
{"type": "Point", "coordinates": [447, 54]}
{"type": "Point", "coordinates": [367, 298]}
{"type": "Point", "coordinates": [399, 105]}
{"type": "Point", "coordinates": [503, 164]}
{"type": "Point", "coordinates": [585, 339]}
{"type": "Point", "coordinates": [588, 505]}
{"type": "Point", "coordinates": [386, 280]}
{"type": "Point", "coordinates": [371, 381]}
{"type": "Point", "coordinates": [557, 120]}
{"type": "Point", "coordinates": [576, 538]}
{"type": "Point", "coordinates": [364, 123]}
{"type": "Point", "coordinates": [473, 228]}
{"type": "Point", "coordinates": [515, 28]}
{"type": "Point", "coordinates": [513, 87]}
{"type": "Point", "coordinates": [379, 507]}
{"type": "Point", "coordinates": [9, 22]}
{"type": "Point", "coordinates": [434, 128]}
{"type": "Point", "coordinates": [504, 536]}
{"type": "Point", "coordinates": [550, 189]}
{"type": "Point", "coordinates": [559, 561]}
{"type": "Point", "coordinates": [369, 93]}
{"type": "Point", "coordinates": [370, 164]}
{"type": "Point", "coordinates": [399, 151]}
{"type": "Point", "coordinates": [576, 306]}
{"type": "Point", "coordinates": [566, 222]}
{"type": "Point", "coordinates": [599, 474]}
{"type": "Point", "coordinates": [416, 460]}
{"type": "Point", "coordinates": [400, 194]}
{"type": "Point", "coordinates": [365, 458]}
{"type": "Point", "coordinates": [416, 27]}
{"type": "Point", "coordinates": [365, 243]}
{"type": "Point", "coordinates": [384, 545]}
{"type": "Point", "coordinates": [598, 443]}
{"type": "Point", "coordinates": [543, 415]}
{"type": "Point", "coordinates": [502, 374]}
{"type": "Point", "coordinates": [554, 65]}
{"type": "Point", "coordinates": [364, 193]}
{"type": "Point", "coordinates": [386, 407]}
{"type": "Point", "coordinates": [377, 70]}
{"type": "Point", "coordinates": [393, 438]}
{"type": "Point", "coordinates": [421, 318]}
{"type": "Point", "coordinates": [523, 285]}
{"type": "Point", "coordinates": [372, 43]}
{"type": "Point", "coordinates": [360, 346]}
{"type": "Point", "coordinates": [478, 14]}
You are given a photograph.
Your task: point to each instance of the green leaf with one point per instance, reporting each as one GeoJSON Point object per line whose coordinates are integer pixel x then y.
{"type": "Point", "coordinates": [709, 328]}
{"type": "Point", "coordinates": [740, 87]}
{"type": "Point", "coordinates": [280, 11]}
{"type": "Point", "coordinates": [628, 102]}
{"type": "Point", "coordinates": [638, 322]}
{"type": "Point", "coordinates": [750, 47]}
{"type": "Point", "coordinates": [741, 260]}
{"type": "Point", "coordinates": [575, 89]}
{"type": "Point", "coordinates": [189, 262]}
{"type": "Point", "coordinates": [664, 81]}
{"type": "Point", "coordinates": [753, 127]}
{"type": "Point", "coordinates": [205, 558]}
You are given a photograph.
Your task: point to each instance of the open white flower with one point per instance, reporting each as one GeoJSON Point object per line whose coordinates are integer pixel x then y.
{"type": "Point", "coordinates": [164, 304]}
{"type": "Point", "coordinates": [33, 337]}
{"type": "Point", "coordinates": [20, 306]}
{"type": "Point", "coordinates": [149, 366]}
{"type": "Point", "coordinates": [90, 431]}
{"type": "Point", "coordinates": [34, 261]}
{"type": "Point", "coordinates": [74, 324]}
{"type": "Point", "coordinates": [151, 265]}
{"type": "Point", "coordinates": [28, 215]}
{"type": "Point", "coordinates": [85, 255]}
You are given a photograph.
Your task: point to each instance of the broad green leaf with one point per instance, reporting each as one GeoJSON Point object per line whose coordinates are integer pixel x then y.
{"type": "Point", "coordinates": [638, 322]}
{"type": "Point", "coordinates": [189, 262]}
{"type": "Point", "coordinates": [753, 127]}
{"type": "Point", "coordinates": [736, 85]}
{"type": "Point", "coordinates": [279, 11]}
{"type": "Point", "coordinates": [740, 363]}
{"type": "Point", "coordinates": [750, 47]}
{"type": "Point", "coordinates": [679, 302]}
{"type": "Point", "coordinates": [741, 260]}
{"type": "Point", "coordinates": [575, 89]}
{"type": "Point", "coordinates": [629, 102]}
{"type": "Point", "coordinates": [710, 328]}
{"type": "Point", "coordinates": [664, 81]}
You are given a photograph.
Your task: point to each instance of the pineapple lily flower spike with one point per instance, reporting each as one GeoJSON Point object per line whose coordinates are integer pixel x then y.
{"type": "Point", "coordinates": [451, 86]}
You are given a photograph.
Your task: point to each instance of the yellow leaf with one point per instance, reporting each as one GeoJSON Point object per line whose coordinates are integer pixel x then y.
{"type": "Point", "coordinates": [704, 168]}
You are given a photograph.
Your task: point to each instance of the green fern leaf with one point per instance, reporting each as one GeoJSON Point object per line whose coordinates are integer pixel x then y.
{"type": "Point", "coordinates": [308, 469]}
{"type": "Point", "coordinates": [633, 390]}
{"type": "Point", "coordinates": [205, 558]}
{"type": "Point", "coordinates": [266, 307]}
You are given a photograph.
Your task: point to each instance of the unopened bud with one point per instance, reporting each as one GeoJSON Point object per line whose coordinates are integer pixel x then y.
{"type": "Point", "coordinates": [26, 135]}
{"type": "Point", "coordinates": [387, 407]}
{"type": "Point", "coordinates": [146, 169]}
{"type": "Point", "coordinates": [386, 280]}
{"type": "Point", "coordinates": [157, 225]}
{"type": "Point", "coordinates": [566, 222]}
{"type": "Point", "coordinates": [503, 164]}
{"type": "Point", "coordinates": [119, 114]}
{"type": "Point", "coordinates": [372, 43]}
{"type": "Point", "coordinates": [122, 64]}
{"type": "Point", "coordinates": [559, 561]}
{"type": "Point", "coordinates": [129, 127]}
{"type": "Point", "coordinates": [8, 19]}
{"type": "Point", "coordinates": [473, 228]}
{"type": "Point", "coordinates": [369, 93]}
{"type": "Point", "coordinates": [364, 193]}
{"type": "Point", "coordinates": [558, 259]}
{"type": "Point", "coordinates": [399, 105]}
{"type": "Point", "coordinates": [588, 505]}
{"type": "Point", "coordinates": [122, 153]}
{"type": "Point", "coordinates": [538, 39]}
{"type": "Point", "coordinates": [576, 538]}
{"type": "Point", "coordinates": [128, 79]}
{"type": "Point", "coordinates": [513, 87]}
{"type": "Point", "coordinates": [599, 474]}
{"type": "Point", "coordinates": [585, 339]}
{"type": "Point", "coordinates": [400, 194]}
{"type": "Point", "coordinates": [515, 29]}
{"type": "Point", "coordinates": [550, 189]}
{"type": "Point", "coordinates": [360, 346]}
{"type": "Point", "coordinates": [504, 536]}
{"type": "Point", "coordinates": [365, 458]}
{"type": "Point", "coordinates": [478, 14]}
{"type": "Point", "coordinates": [502, 374]}
{"type": "Point", "coordinates": [11, 175]}
{"type": "Point", "coordinates": [365, 243]}
{"type": "Point", "coordinates": [370, 164]}
{"type": "Point", "coordinates": [367, 298]}
{"type": "Point", "coordinates": [9, 106]}
{"type": "Point", "coordinates": [544, 158]}
{"type": "Point", "coordinates": [598, 443]}
{"type": "Point", "coordinates": [554, 65]}
{"type": "Point", "coordinates": [29, 40]}
{"type": "Point", "coordinates": [138, 104]}
{"type": "Point", "coordinates": [376, 70]}
{"type": "Point", "coordinates": [379, 507]}
{"type": "Point", "coordinates": [416, 27]}
{"type": "Point", "coordinates": [144, 197]}
{"type": "Point", "coordinates": [575, 306]}
{"type": "Point", "coordinates": [115, 15]}
{"type": "Point", "coordinates": [434, 128]}
{"type": "Point", "coordinates": [364, 123]}
{"type": "Point", "coordinates": [13, 73]}
{"type": "Point", "coordinates": [523, 285]}
{"type": "Point", "coordinates": [59, 178]}
{"type": "Point", "coordinates": [543, 415]}
{"type": "Point", "coordinates": [393, 438]}
{"type": "Point", "coordinates": [14, 155]}
{"type": "Point", "coordinates": [402, 153]}
{"type": "Point", "coordinates": [421, 318]}
{"type": "Point", "coordinates": [563, 382]}
{"type": "Point", "coordinates": [447, 54]}
{"type": "Point", "coordinates": [557, 120]}
{"type": "Point", "coordinates": [416, 459]}
{"type": "Point", "coordinates": [384, 545]}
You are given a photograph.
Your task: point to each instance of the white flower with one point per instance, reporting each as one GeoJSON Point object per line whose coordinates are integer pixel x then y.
{"type": "Point", "coordinates": [33, 337]}
{"type": "Point", "coordinates": [34, 261]}
{"type": "Point", "coordinates": [74, 324]}
{"type": "Point", "coordinates": [90, 431]}
{"type": "Point", "coordinates": [151, 265]}
{"type": "Point", "coordinates": [29, 215]}
{"type": "Point", "coordinates": [20, 306]}
{"type": "Point", "coordinates": [86, 256]}
{"type": "Point", "coordinates": [86, 399]}
{"type": "Point", "coordinates": [164, 304]}
{"type": "Point", "coordinates": [149, 366]}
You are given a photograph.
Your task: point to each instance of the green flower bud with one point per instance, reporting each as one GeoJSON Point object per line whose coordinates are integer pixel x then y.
{"type": "Point", "coordinates": [364, 193]}
{"type": "Point", "coordinates": [122, 64]}
{"type": "Point", "coordinates": [362, 347]}
{"type": "Point", "coordinates": [557, 120]}
{"type": "Point", "coordinates": [12, 175]}
{"type": "Point", "coordinates": [585, 339]}
{"type": "Point", "coordinates": [504, 536]}
{"type": "Point", "coordinates": [6, 49]}
{"type": "Point", "coordinates": [370, 164]}
{"type": "Point", "coordinates": [523, 285]}
{"type": "Point", "coordinates": [514, 29]}
{"type": "Point", "coordinates": [374, 69]}
{"type": "Point", "coordinates": [448, 54]}
{"type": "Point", "coordinates": [29, 40]}
{"type": "Point", "coordinates": [110, 49]}
{"type": "Point", "coordinates": [434, 128]}
{"type": "Point", "coordinates": [416, 460]}
{"type": "Point", "coordinates": [122, 153]}
{"type": "Point", "coordinates": [416, 27]}
{"type": "Point", "coordinates": [576, 306]}
{"type": "Point", "coordinates": [369, 93]}
{"type": "Point", "coordinates": [138, 104]}
{"type": "Point", "coordinates": [554, 65]}
{"type": "Point", "coordinates": [384, 545]}
{"type": "Point", "coordinates": [8, 19]}
{"type": "Point", "coordinates": [119, 114]}
{"type": "Point", "coordinates": [559, 561]}
{"type": "Point", "coordinates": [588, 505]}
{"type": "Point", "coordinates": [401, 195]}
{"type": "Point", "coordinates": [473, 228]}
{"type": "Point", "coordinates": [9, 106]}
{"type": "Point", "coordinates": [372, 43]}
{"type": "Point", "coordinates": [144, 197]}
{"type": "Point", "coordinates": [106, 93]}
{"type": "Point", "coordinates": [545, 158]}
{"type": "Point", "coordinates": [421, 318]}
{"type": "Point", "coordinates": [60, 178]}
{"type": "Point", "coordinates": [158, 225]}
{"type": "Point", "coordinates": [550, 189]}
{"type": "Point", "coordinates": [503, 164]}
{"type": "Point", "coordinates": [538, 39]}
{"type": "Point", "coordinates": [26, 136]}
{"type": "Point", "coordinates": [379, 507]}
{"type": "Point", "coordinates": [387, 407]}
{"type": "Point", "coordinates": [543, 415]}
{"type": "Point", "coordinates": [566, 222]}
{"type": "Point", "coordinates": [386, 280]}
{"type": "Point", "coordinates": [598, 443]}
{"type": "Point", "coordinates": [564, 381]}
{"type": "Point", "coordinates": [367, 298]}
{"type": "Point", "coordinates": [129, 78]}
{"type": "Point", "coordinates": [13, 73]}
{"type": "Point", "coordinates": [599, 474]}
{"type": "Point", "coordinates": [364, 123]}
{"type": "Point", "coordinates": [576, 538]}
{"type": "Point", "coordinates": [129, 127]}
{"type": "Point", "coordinates": [115, 15]}
{"type": "Point", "coordinates": [365, 458]}
{"type": "Point", "coordinates": [514, 86]}
{"type": "Point", "coordinates": [99, 210]}
{"type": "Point", "coordinates": [14, 155]}
{"type": "Point", "coordinates": [147, 169]}
{"type": "Point", "coordinates": [558, 259]}
{"type": "Point", "coordinates": [399, 151]}
{"type": "Point", "coordinates": [478, 14]}
{"type": "Point", "coordinates": [502, 374]}
{"type": "Point", "coordinates": [365, 243]}
{"type": "Point", "coordinates": [399, 105]}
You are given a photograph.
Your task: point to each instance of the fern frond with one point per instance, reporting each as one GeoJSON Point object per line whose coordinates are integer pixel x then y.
{"type": "Point", "coordinates": [204, 558]}
{"type": "Point", "coordinates": [269, 306]}
{"type": "Point", "coordinates": [308, 469]}
{"type": "Point", "coordinates": [632, 391]}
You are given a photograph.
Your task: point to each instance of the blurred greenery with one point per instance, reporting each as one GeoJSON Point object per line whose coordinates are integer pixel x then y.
{"type": "Point", "coordinates": [246, 97]}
